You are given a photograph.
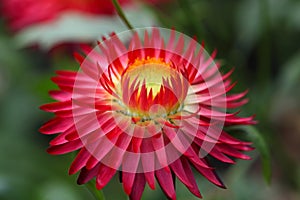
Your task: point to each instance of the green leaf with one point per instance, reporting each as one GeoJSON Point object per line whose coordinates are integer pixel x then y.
{"type": "Point", "coordinates": [260, 144]}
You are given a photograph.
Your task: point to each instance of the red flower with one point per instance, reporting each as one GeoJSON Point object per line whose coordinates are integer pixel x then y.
{"type": "Point", "coordinates": [150, 109]}
{"type": "Point", "coordinates": [23, 13]}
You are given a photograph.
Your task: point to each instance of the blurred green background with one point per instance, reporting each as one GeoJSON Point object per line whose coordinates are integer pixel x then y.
{"type": "Point", "coordinates": [260, 38]}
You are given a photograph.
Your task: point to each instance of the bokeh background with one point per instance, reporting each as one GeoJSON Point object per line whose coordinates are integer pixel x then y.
{"type": "Point", "coordinates": [259, 38]}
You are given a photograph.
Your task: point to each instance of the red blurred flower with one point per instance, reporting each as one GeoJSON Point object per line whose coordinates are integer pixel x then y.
{"type": "Point", "coordinates": [150, 109]}
{"type": "Point", "coordinates": [23, 13]}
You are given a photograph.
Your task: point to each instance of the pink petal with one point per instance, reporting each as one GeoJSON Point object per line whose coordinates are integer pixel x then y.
{"type": "Point", "coordinates": [104, 175]}
{"type": "Point", "coordinates": [183, 146]}
{"type": "Point", "coordinates": [86, 175]}
{"type": "Point", "coordinates": [92, 162]}
{"type": "Point", "coordinates": [189, 173]}
{"type": "Point", "coordinates": [138, 187]}
{"type": "Point", "coordinates": [220, 156]}
{"type": "Point", "coordinates": [178, 169]}
{"type": "Point", "coordinates": [56, 125]}
{"type": "Point", "coordinates": [115, 156]}
{"type": "Point", "coordinates": [159, 147]}
{"type": "Point", "coordinates": [66, 73]}
{"type": "Point", "coordinates": [85, 125]}
{"type": "Point", "coordinates": [180, 45]}
{"type": "Point", "coordinates": [60, 139]}
{"type": "Point", "coordinates": [232, 152]}
{"type": "Point", "coordinates": [148, 159]}
{"type": "Point", "coordinates": [99, 151]}
{"type": "Point", "coordinates": [150, 178]}
{"type": "Point", "coordinates": [128, 179]}
{"type": "Point", "coordinates": [80, 161]}
{"type": "Point", "coordinates": [209, 174]}
{"type": "Point", "coordinates": [130, 161]}
{"type": "Point", "coordinates": [166, 182]}
{"type": "Point", "coordinates": [171, 42]}
{"type": "Point", "coordinates": [213, 152]}
{"type": "Point", "coordinates": [233, 120]}
{"type": "Point", "coordinates": [57, 106]}
{"type": "Point", "coordinates": [65, 148]}
{"type": "Point", "coordinates": [60, 95]}
{"type": "Point", "coordinates": [192, 131]}
{"type": "Point", "coordinates": [243, 147]}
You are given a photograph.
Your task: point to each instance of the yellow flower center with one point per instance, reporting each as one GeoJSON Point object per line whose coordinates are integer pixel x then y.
{"type": "Point", "coordinates": [147, 90]}
{"type": "Point", "coordinates": [150, 71]}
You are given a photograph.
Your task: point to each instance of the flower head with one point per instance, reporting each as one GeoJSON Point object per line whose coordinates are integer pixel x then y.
{"type": "Point", "coordinates": [150, 104]}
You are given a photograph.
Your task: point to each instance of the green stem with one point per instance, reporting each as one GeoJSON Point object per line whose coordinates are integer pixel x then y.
{"type": "Point", "coordinates": [98, 194]}
{"type": "Point", "coordinates": [121, 14]}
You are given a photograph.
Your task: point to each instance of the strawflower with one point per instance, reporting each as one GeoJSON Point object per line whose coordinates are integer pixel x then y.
{"type": "Point", "coordinates": [149, 104]}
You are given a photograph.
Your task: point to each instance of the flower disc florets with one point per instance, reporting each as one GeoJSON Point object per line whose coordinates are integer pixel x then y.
{"type": "Point", "coordinates": [148, 90]}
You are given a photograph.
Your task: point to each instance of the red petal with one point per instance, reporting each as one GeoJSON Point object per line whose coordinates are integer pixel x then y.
{"type": "Point", "coordinates": [150, 178]}
{"type": "Point", "coordinates": [243, 147]}
{"type": "Point", "coordinates": [80, 161]}
{"type": "Point", "coordinates": [128, 179]}
{"type": "Point", "coordinates": [138, 138]}
{"type": "Point", "coordinates": [147, 158]}
{"type": "Point", "coordinates": [182, 145]}
{"type": "Point", "coordinates": [178, 169]}
{"type": "Point", "coordinates": [104, 175]}
{"type": "Point", "coordinates": [232, 152]}
{"type": "Point", "coordinates": [233, 120]}
{"type": "Point", "coordinates": [79, 58]}
{"type": "Point", "coordinates": [66, 73]}
{"type": "Point", "coordinates": [65, 148]}
{"type": "Point", "coordinates": [220, 156]}
{"type": "Point", "coordinates": [60, 95]}
{"type": "Point", "coordinates": [159, 147]}
{"type": "Point", "coordinates": [86, 175]}
{"type": "Point", "coordinates": [166, 182]}
{"type": "Point", "coordinates": [171, 42]}
{"type": "Point", "coordinates": [103, 147]}
{"type": "Point", "coordinates": [210, 175]}
{"type": "Point", "coordinates": [115, 156]}
{"type": "Point", "coordinates": [57, 106]}
{"type": "Point", "coordinates": [138, 187]}
{"type": "Point", "coordinates": [213, 152]}
{"type": "Point", "coordinates": [60, 139]}
{"type": "Point", "coordinates": [91, 162]}
{"type": "Point", "coordinates": [130, 161]}
{"type": "Point", "coordinates": [56, 125]}
{"type": "Point", "coordinates": [189, 173]}
{"type": "Point", "coordinates": [84, 126]}
{"type": "Point", "coordinates": [180, 45]}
